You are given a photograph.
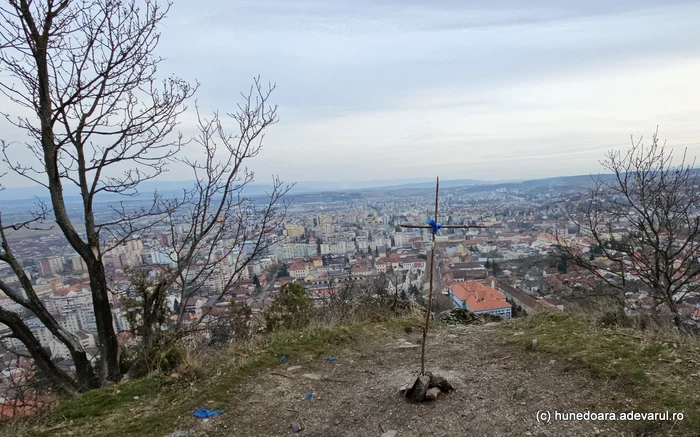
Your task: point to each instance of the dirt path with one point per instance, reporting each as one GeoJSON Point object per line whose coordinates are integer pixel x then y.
{"type": "Point", "coordinates": [357, 394]}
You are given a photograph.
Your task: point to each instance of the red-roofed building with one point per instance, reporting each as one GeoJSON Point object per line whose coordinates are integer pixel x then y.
{"type": "Point", "coordinates": [382, 266]}
{"type": "Point", "coordinates": [16, 408]}
{"type": "Point", "coordinates": [66, 291]}
{"type": "Point", "coordinates": [283, 280]}
{"type": "Point", "coordinates": [299, 270]}
{"type": "Point", "coordinates": [479, 298]}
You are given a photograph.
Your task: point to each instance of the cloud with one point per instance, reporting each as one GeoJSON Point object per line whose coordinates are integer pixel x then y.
{"type": "Point", "coordinates": [406, 88]}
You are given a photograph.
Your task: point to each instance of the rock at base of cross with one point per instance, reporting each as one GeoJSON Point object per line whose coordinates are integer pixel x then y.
{"type": "Point", "coordinates": [416, 392]}
{"type": "Point", "coordinates": [426, 388]}
{"type": "Point", "coordinates": [440, 382]}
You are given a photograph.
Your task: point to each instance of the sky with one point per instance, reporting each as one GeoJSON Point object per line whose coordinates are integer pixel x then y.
{"type": "Point", "coordinates": [489, 90]}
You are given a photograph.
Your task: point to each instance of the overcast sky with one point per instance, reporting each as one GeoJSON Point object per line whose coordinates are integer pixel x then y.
{"type": "Point", "coordinates": [499, 89]}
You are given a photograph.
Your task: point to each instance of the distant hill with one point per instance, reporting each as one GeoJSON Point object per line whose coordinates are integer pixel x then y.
{"type": "Point", "coordinates": [173, 188]}
{"type": "Point", "coordinates": [431, 184]}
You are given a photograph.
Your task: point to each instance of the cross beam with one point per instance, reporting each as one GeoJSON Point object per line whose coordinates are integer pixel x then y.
{"type": "Point", "coordinates": [443, 226]}
{"type": "Point", "coordinates": [434, 226]}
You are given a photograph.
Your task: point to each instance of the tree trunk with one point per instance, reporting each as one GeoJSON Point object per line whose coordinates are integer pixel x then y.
{"type": "Point", "coordinates": [140, 367]}
{"type": "Point", "coordinates": [103, 314]}
{"type": "Point", "coordinates": [673, 306]}
{"type": "Point", "coordinates": [58, 378]}
{"type": "Point", "coordinates": [677, 320]}
{"type": "Point", "coordinates": [109, 346]}
{"type": "Point", "coordinates": [148, 344]}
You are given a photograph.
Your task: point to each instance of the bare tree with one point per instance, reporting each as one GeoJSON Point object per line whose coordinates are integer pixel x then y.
{"type": "Point", "coordinates": [644, 226]}
{"type": "Point", "coordinates": [103, 122]}
{"type": "Point", "coordinates": [212, 225]}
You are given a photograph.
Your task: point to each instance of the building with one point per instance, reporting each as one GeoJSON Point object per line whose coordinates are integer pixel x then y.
{"type": "Point", "coordinates": [294, 231]}
{"type": "Point", "coordinates": [161, 257]}
{"type": "Point", "coordinates": [479, 299]}
{"type": "Point", "coordinates": [299, 271]}
{"type": "Point", "coordinates": [381, 266]}
{"type": "Point", "coordinates": [134, 245]}
{"type": "Point", "coordinates": [296, 250]}
{"type": "Point", "coordinates": [53, 265]}
{"type": "Point", "coordinates": [78, 263]}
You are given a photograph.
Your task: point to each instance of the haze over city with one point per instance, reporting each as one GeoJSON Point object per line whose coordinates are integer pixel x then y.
{"type": "Point", "coordinates": [402, 90]}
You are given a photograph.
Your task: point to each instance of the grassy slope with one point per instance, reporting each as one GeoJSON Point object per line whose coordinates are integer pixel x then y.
{"type": "Point", "coordinates": [159, 405]}
{"type": "Point", "coordinates": [649, 372]}
{"type": "Point", "coordinates": [653, 371]}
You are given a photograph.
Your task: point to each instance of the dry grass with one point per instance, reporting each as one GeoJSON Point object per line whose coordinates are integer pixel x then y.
{"type": "Point", "coordinates": [159, 404]}
{"type": "Point", "coordinates": [194, 362]}
{"type": "Point", "coordinates": [657, 369]}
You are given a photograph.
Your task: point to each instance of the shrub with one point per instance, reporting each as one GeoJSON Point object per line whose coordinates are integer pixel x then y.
{"type": "Point", "coordinates": [461, 316]}
{"type": "Point", "coordinates": [291, 308]}
{"type": "Point", "coordinates": [615, 318]}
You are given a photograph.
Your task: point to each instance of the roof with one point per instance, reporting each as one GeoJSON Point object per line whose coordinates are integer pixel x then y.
{"type": "Point", "coordinates": [9, 410]}
{"type": "Point", "coordinates": [66, 291]}
{"type": "Point", "coordinates": [300, 266]}
{"type": "Point", "coordinates": [479, 297]}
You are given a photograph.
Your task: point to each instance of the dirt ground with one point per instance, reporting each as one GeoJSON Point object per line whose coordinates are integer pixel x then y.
{"type": "Point", "coordinates": [358, 393]}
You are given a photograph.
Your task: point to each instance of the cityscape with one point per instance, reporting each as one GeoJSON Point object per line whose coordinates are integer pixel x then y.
{"type": "Point", "coordinates": [329, 238]}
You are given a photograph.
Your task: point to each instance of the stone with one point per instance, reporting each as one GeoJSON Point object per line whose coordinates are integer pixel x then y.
{"type": "Point", "coordinates": [432, 393]}
{"type": "Point", "coordinates": [440, 382]}
{"type": "Point", "coordinates": [296, 426]}
{"type": "Point", "coordinates": [293, 368]}
{"type": "Point", "coordinates": [390, 433]}
{"type": "Point", "coordinates": [459, 316]}
{"type": "Point", "coordinates": [469, 416]}
{"type": "Point", "coordinates": [314, 376]}
{"type": "Point", "coordinates": [534, 342]}
{"type": "Point", "coordinates": [403, 344]}
{"type": "Point", "coordinates": [519, 393]}
{"type": "Point", "coordinates": [418, 389]}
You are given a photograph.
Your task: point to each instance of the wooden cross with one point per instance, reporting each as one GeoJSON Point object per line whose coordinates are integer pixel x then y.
{"type": "Point", "coordinates": [434, 226]}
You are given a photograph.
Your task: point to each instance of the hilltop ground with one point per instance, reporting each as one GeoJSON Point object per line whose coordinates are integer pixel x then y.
{"type": "Point", "coordinates": [358, 393]}
{"type": "Point", "coordinates": [575, 367]}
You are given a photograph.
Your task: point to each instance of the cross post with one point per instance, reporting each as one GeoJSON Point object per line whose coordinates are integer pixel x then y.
{"type": "Point", "coordinates": [434, 226]}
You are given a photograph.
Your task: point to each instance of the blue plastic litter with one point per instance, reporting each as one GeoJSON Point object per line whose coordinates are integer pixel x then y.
{"type": "Point", "coordinates": [283, 357]}
{"type": "Point", "coordinates": [434, 225]}
{"type": "Point", "coordinates": [204, 413]}
{"type": "Point", "coordinates": [329, 358]}
{"type": "Point", "coordinates": [309, 396]}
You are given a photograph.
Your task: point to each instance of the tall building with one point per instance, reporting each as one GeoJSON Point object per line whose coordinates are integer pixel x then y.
{"type": "Point", "coordinates": [78, 263]}
{"type": "Point", "coordinates": [52, 265]}
{"type": "Point", "coordinates": [294, 231]}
